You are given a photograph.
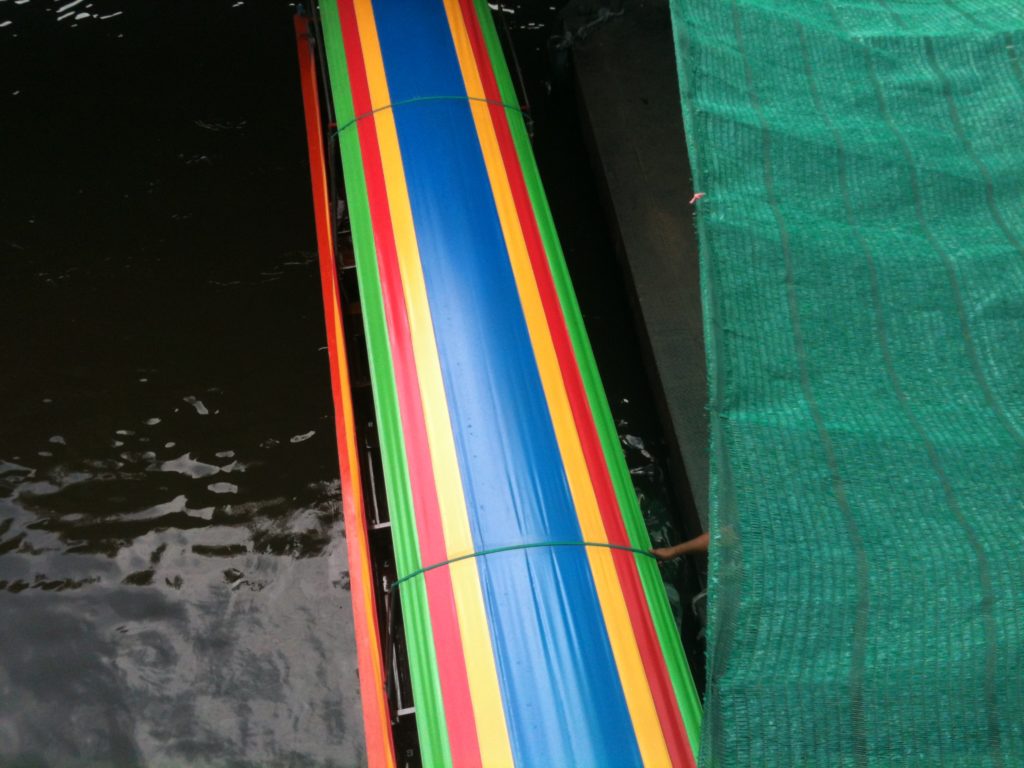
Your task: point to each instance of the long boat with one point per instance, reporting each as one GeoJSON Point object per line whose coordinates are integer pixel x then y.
{"type": "Point", "coordinates": [516, 603]}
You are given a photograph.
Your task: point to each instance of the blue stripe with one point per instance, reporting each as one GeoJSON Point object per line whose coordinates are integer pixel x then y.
{"type": "Point", "coordinates": [561, 688]}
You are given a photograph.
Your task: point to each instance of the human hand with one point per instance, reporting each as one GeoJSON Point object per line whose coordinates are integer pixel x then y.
{"type": "Point", "coordinates": [664, 554]}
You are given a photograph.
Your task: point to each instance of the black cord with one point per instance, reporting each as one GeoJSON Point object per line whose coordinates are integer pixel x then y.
{"type": "Point", "coordinates": [521, 82]}
{"type": "Point", "coordinates": [331, 136]}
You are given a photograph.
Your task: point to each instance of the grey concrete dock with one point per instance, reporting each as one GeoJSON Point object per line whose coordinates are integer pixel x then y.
{"type": "Point", "coordinates": [624, 60]}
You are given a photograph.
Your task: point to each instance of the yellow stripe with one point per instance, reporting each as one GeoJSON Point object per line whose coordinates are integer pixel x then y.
{"type": "Point", "coordinates": [495, 747]}
{"type": "Point", "coordinates": [625, 649]}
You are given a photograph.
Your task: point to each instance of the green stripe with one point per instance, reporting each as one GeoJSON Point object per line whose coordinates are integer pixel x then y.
{"type": "Point", "coordinates": [721, 490]}
{"type": "Point", "coordinates": [650, 575]}
{"type": "Point", "coordinates": [514, 548]}
{"type": "Point", "coordinates": [419, 100]}
{"type": "Point", "coordinates": [426, 684]}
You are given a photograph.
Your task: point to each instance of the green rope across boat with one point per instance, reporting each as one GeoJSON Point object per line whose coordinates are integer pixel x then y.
{"type": "Point", "coordinates": [510, 547]}
{"type": "Point", "coordinates": [357, 118]}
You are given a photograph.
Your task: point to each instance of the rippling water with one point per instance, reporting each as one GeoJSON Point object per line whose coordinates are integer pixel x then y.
{"type": "Point", "coordinates": [173, 583]}
{"type": "Point", "coordinates": [172, 576]}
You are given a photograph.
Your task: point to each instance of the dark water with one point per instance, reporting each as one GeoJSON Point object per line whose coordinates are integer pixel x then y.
{"type": "Point", "coordinates": [173, 584]}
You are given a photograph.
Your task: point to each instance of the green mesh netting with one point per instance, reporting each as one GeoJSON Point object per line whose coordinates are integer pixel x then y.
{"type": "Point", "coordinates": [862, 240]}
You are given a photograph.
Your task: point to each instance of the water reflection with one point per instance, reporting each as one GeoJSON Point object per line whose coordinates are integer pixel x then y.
{"type": "Point", "coordinates": [174, 600]}
{"type": "Point", "coordinates": [173, 580]}
{"type": "Point", "coordinates": [165, 625]}
{"type": "Point", "coordinates": [179, 663]}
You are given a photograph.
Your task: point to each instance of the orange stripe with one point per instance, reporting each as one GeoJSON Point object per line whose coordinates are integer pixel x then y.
{"type": "Point", "coordinates": [495, 747]}
{"type": "Point", "coordinates": [635, 684]}
{"type": "Point", "coordinates": [457, 717]}
{"type": "Point", "coordinates": [651, 650]}
{"type": "Point", "coordinates": [376, 718]}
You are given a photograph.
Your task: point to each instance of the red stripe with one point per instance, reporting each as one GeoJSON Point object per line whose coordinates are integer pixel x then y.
{"type": "Point", "coordinates": [380, 749]}
{"type": "Point", "coordinates": [460, 720]}
{"type": "Point", "coordinates": [636, 602]}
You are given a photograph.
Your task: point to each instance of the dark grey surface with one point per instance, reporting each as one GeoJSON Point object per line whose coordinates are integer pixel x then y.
{"type": "Point", "coordinates": [626, 74]}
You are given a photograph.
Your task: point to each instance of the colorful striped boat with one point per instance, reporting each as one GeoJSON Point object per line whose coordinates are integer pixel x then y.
{"type": "Point", "coordinates": [537, 628]}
